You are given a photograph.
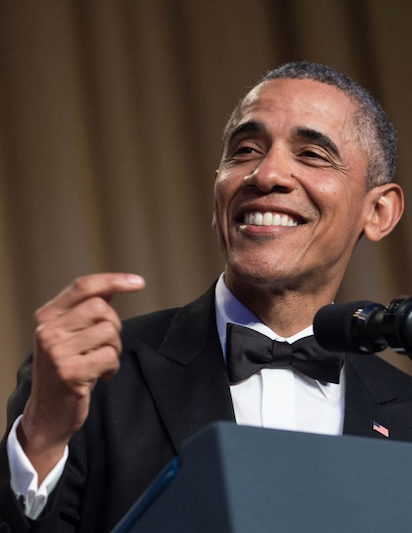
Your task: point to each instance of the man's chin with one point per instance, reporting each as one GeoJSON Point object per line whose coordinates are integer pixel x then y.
{"type": "Point", "coordinates": [253, 276]}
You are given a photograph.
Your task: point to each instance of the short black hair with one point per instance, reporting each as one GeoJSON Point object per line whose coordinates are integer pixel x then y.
{"type": "Point", "coordinates": [376, 132]}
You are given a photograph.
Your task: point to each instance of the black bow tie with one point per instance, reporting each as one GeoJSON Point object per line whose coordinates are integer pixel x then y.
{"type": "Point", "coordinates": [249, 351]}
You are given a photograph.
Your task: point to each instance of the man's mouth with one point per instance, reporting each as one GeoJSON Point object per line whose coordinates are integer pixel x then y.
{"type": "Point", "coordinates": [257, 218]}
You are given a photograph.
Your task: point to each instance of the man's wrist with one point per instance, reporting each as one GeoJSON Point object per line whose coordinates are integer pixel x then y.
{"type": "Point", "coordinates": [24, 478]}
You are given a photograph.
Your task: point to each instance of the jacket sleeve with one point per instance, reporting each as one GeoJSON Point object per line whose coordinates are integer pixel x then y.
{"type": "Point", "coordinates": [60, 513]}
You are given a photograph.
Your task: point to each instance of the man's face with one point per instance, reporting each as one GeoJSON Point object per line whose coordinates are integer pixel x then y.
{"type": "Point", "coordinates": [290, 194]}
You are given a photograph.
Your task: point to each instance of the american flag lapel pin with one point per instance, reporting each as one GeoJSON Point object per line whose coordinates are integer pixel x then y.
{"type": "Point", "coordinates": [380, 429]}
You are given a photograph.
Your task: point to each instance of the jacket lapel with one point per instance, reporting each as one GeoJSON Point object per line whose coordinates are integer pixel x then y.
{"type": "Point", "coordinates": [376, 392]}
{"type": "Point", "coordinates": [187, 376]}
{"type": "Point", "coordinates": [188, 380]}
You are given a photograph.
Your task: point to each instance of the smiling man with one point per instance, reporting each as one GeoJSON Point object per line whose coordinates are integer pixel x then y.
{"type": "Point", "coordinates": [306, 170]}
{"type": "Point", "coordinates": [292, 198]}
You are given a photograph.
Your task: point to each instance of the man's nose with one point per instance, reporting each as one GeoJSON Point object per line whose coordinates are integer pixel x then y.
{"type": "Point", "coordinates": [273, 171]}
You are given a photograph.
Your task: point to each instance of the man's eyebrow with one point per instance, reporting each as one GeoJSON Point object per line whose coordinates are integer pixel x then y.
{"type": "Point", "coordinates": [319, 138]}
{"type": "Point", "coordinates": [252, 126]}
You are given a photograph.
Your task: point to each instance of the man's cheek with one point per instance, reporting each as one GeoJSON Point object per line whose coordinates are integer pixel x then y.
{"type": "Point", "coordinates": [220, 229]}
{"type": "Point", "coordinates": [214, 223]}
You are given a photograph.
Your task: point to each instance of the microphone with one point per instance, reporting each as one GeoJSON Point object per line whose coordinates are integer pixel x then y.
{"type": "Point", "coordinates": [365, 327]}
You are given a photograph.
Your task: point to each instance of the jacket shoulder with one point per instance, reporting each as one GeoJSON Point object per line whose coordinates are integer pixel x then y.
{"type": "Point", "coordinates": [150, 328]}
{"type": "Point", "coordinates": [385, 381]}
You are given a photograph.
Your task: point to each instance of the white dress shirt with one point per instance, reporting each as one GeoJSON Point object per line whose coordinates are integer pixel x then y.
{"type": "Point", "coordinates": [279, 398]}
{"type": "Point", "coordinates": [272, 398]}
{"type": "Point", "coordinates": [24, 479]}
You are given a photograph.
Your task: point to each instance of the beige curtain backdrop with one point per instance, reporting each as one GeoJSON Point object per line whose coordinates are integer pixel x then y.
{"type": "Point", "coordinates": [111, 113]}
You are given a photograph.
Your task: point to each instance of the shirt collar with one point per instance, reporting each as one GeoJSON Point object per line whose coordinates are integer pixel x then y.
{"type": "Point", "coordinates": [230, 309]}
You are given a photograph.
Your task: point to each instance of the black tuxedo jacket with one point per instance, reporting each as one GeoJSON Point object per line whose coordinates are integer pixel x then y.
{"type": "Point", "coordinates": [172, 382]}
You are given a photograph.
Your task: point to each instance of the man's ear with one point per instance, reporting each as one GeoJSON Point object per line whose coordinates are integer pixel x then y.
{"type": "Point", "coordinates": [385, 210]}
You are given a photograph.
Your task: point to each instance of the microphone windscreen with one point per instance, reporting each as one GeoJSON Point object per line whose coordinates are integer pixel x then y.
{"type": "Point", "coordinates": [332, 326]}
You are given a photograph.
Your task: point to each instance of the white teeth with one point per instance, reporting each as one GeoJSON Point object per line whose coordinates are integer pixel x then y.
{"type": "Point", "coordinates": [258, 221]}
{"type": "Point", "coordinates": [284, 220]}
{"type": "Point", "coordinates": [268, 219]}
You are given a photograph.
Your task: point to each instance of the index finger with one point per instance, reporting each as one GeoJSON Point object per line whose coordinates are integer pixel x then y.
{"type": "Point", "coordinates": [103, 285]}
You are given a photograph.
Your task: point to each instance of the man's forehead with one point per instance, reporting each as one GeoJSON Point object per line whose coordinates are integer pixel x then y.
{"type": "Point", "coordinates": [305, 99]}
{"type": "Point", "coordinates": [306, 91]}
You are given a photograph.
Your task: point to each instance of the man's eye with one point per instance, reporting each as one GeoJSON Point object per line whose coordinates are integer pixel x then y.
{"type": "Point", "coordinates": [245, 150]}
{"type": "Point", "coordinates": [311, 153]}
{"type": "Point", "coordinates": [316, 157]}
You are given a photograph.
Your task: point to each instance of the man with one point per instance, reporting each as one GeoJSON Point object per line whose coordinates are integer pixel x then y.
{"type": "Point", "coordinates": [306, 169]}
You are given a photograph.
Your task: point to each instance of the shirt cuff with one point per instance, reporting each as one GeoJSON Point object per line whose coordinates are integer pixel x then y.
{"type": "Point", "coordinates": [24, 479]}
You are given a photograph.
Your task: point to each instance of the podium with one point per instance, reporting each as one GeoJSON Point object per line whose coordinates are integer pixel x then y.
{"type": "Point", "coordinates": [233, 479]}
